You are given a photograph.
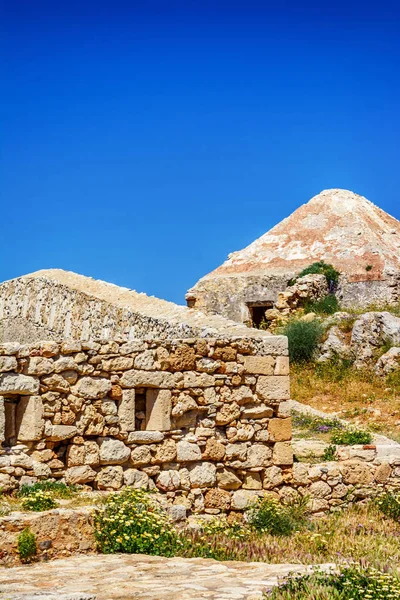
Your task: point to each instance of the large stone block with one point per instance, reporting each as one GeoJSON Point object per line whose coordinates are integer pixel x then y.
{"type": "Point", "coordinates": [79, 474]}
{"type": "Point", "coordinates": [282, 454]}
{"type": "Point", "coordinates": [203, 475]}
{"type": "Point", "coordinates": [29, 419]}
{"type": "Point", "coordinates": [228, 480]}
{"type": "Point", "coordinates": [158, 410]}
{"type": "Point", "coordinates": [8, 363]}
{"type": "Point", "coordinates": [187, 452]}
{"type": "Point", "coordinates": [23, 385]}
{"type": "Point", "coordinates": [126, 411]}
{"type": "Point", "coordinates": [273, 388]}
{"type": "Point", "coordinates": [259, 365]}
{"type": "Point", "coordinates": [280, 430]}
{"type": "Point", "coordinates": [155, 379]}
{"type": "Point", "coordinates": [92, 387]}
{"type": "Point", "coordinates": [113, 452]}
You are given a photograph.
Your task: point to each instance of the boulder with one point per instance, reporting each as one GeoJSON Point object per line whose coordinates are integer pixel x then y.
{"type": "Point", "coordinates": [388, 362]}
{"type": "Point", "coordinates": [112, 451]}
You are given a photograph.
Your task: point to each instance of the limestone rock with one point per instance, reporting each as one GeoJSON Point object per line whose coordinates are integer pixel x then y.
{"type": "Point", "coordinates": [273, 388]}
{"type": "Point", "coordinates": [282, 454]}
{"type": "Point", "coordinates": [388, 362]}
{"type": "Point", "coordinates": [18, 384]}
{"type": "Point", "coordinates": [141, 456]}
{"type": "Point", "coordinates": [259, 365]}
{"type": "Point", "coordinates": [355, 472]}
{"type": "Point", "coordinates": [110, 478]}
{"type": "Point", "coordinates": [203, 475]}
{"type": "Point", "coordinates": [280, 430]}
{"type": "Point", "coordinates": [227, 413]}
{"type": "Point", "coordinates": [79, 474]}
{"type": "Point", "coordinates": [216, 498]}
{"type": "Point", "coordinates": [228, 480]}
{"type": "Point", "coordinates": [168, 481]}
{"type": "Point", "coordinates": [8, 363]}
{"type": "Point", "coordinates": [29, 418]}
{"type": "Point", "coordinates": [208, 365]}
{"type": "Point", "coordinates": [214, 450]}
{"type": "Point", "coordinates": [113, 452]}
{"type": "Point", "coordinates": [145, 437]}
{"type": "Point", "coordinates": [241, 499]}
{"type": "Point", "coordinates": [166, 452]}
{"type": "Point", "coordinates": [136, 479]}
{"type": "Point", "coordinates": [187, 452]}
{"type": "Point", "coordinates": [38, 365]}
{"type": "Point", "coordinates": [92, 387]}
{"type": "Point", "coordinates": [58, 433]}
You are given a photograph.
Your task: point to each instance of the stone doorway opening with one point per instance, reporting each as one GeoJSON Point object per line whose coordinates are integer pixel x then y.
{"type": "Point", "coordinates": [257, 312]}
{"type": "Point", "coordinates": [9, 421]}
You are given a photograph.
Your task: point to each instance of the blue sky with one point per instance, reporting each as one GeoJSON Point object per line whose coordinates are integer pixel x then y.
{"type": "Point", "coordinates": [143, 142]}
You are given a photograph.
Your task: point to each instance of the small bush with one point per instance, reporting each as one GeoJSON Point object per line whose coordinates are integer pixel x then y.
{"type": "Point", "coordinates": [329, 453]}
{"type": "Point", "coordinates": [326, 306]}
{"type": "Point", "coordinates": [322, 268]}
{"type": "Point", "coordinates": [57, 489]}
{"type": "Point", "coordinates": [38, 501]}
{"type": "Point", "coordinates": [351, 436]}
{"type": "Point", "coordinates": [267, 515]}
{"type": "Point", "coordinates": [26, 544]}
{"type": "Point", "coordinates": [132, 522]}
{"type": "Point", "coordinates": [304, 338]}
{"type": "Point", "coordinates": [389, 504]}
{"type": "Point", "coordinates": [349, 583]}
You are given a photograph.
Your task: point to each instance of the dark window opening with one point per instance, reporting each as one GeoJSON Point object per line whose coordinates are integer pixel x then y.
{"type": "Point", "coordinates": [257, 314]}
{"type": "Point", "coordinates": [191, 302]}
{"type": "Point", "coordinates": [10, 422]}
{"type": "Point", "coordinates": [140, 409]}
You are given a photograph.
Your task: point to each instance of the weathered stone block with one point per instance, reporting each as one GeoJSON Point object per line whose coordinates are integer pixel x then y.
{"type": "Point", "coordinates": [113, 452]}
{"type": "Point", "coordinates": [145, 437]}
{"type": "Point", "coordinates": [29, 419]}
{"type": "Point", "coordinates": [280, 430]}
{"type": "Point", "coordinates": [110, 478]}
{"type": "Point", "coordinates": [216, 498]}
{"type": "Point", "coordinates": [273, 388]}
{"type": "Point", "coordinates": [282, 454]}
{"type": "Point", "coordinates": [8, 363]}
{"type": "Point", "coordinates": [187, 452]}
{"type": "Point", "coordinates": [227, 413]}
{"type": "Point", "coordinates": [92, 387]}
{"type": "Point", "coordinates": [155, 379]}
{"type": "Point", "coordinates": [38, 365]}
{"type": "Point", "coordinates": [203, 475]}
{"type": "Point", "coordinates": [23, 385]}
{"type": "Point", "coordinates": [119, 363]}
{"type": "Point", "coordinates": [58, 433]}
{"type": "Point", "coordinates": [259, 365]}
{"type": "Point", "coordinates": [228, 480]}
{"type": "Point", "coordinates": [158, 410]}
{"type": "Point", "coordinates": [79, 474]}
{"type": "Point", "coordinates": [2, 421]}
{"type": "Point", "coordinates": [214, 450]}
{"type": "Point", "coordinates": [126, 411]}
{"type": "Point", "coordinates": [282, 365]}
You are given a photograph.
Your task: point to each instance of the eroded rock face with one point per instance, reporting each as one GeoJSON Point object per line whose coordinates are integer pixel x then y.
{"type": "Point", "coordinates": [370, 332]}
{"type": "Point", "coordinates": [388, 362]}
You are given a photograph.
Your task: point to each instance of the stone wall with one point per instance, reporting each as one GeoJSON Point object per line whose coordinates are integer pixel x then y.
{"type": "Point", "coordinates": [203, 420]}
{"type": "Point", "coordinates": [230, 296]}
{"type": "Point", "coordinates": [56, 304]}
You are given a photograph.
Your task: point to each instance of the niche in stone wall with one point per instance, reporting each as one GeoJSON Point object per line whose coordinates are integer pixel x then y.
{"type": "Point", "coordinates": [152, 409]}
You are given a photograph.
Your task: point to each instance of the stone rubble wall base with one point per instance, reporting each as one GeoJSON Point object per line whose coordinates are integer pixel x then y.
{"type": "Point", "coordinates": [204, 421]}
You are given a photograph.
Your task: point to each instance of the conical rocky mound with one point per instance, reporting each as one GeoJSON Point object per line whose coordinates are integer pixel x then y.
{"type": "Point", "coordinates": [337, 226]}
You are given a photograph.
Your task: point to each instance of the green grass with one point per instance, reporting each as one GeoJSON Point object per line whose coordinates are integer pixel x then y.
{"type": "Point", "coordinates": [303, 338]}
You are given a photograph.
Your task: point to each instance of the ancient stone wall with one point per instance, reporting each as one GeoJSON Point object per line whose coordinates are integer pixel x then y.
{"type": "Point", "coordinates": [203, 420]}
{"type": "Point", "coordinates": [232, 296]}
{"type": "Point", "coordinates": [56, 304]}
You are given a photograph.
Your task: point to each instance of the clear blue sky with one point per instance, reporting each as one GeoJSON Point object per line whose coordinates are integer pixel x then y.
{"type": "Point", "coordinates": [141, 142]}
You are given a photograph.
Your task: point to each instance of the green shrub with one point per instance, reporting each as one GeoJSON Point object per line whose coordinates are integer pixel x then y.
{"type": "Point", "coordinates": [38, 501]}
{"type": "Point", "coordinates": [304, 338]}
{"type": "Point", "coordinates": [267, 515]}
{"type": "Point", "coordinates": [132, 522]}
{"type": "Point", "coordinates": [57, 489]}
{"type": "Point", "coordinates": [349, 583]}
{"type": "Point", "coordinates": [26, 544]}
{"type": "Point", "coordinates": [351, 436]}
{"type": "Point", "coordinates": [329, 453]}
{"type": "Point", "coordinates": [326, 306]}
{"type": "Point", "coordinates": [322, 268]}
{"type": "Point", "coordinates": [389, 504]}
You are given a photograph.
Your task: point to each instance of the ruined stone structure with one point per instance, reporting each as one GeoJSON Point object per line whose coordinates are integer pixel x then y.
{"type": "Point", "coordinates": [337, 226]}
{"type": "Point", "coordinates": [196, 418]}
{"type": "Point", "coordinates": [114, 388]}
